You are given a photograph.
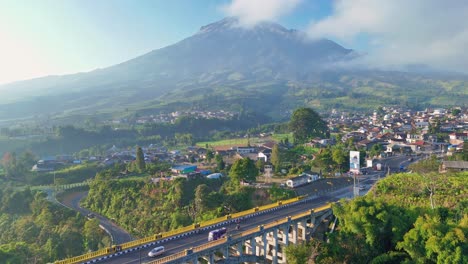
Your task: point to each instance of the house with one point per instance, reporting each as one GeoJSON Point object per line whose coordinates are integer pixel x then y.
{"type": "Point", "coordinates": [400, 148]}
{"type": "Point", "coordinates": [244, 150]}
{"type": "Point", "coordinates": [457, 138]}
{"type": "Point", "coordinates": [422, 125]}
{"type": "Point", "coordinates": [439, 112]}
{"type": "Point", "coordinates": [252, 156]}
{"type": "Point", "coordinates": [39, 167]}
{"type": "Point", "coordinates": [413, 137]}
{"type": "Point", "coordinates": [454, 166]}
{"type": "Point", "coordinates": [264, 154]}
{"type": "Point", "coordinates": [183, 169]}
{"type": "Point", "coordinates": [268, 145]}
{"type": "Point", "coordinates": [420, 145]}
{"type": "Point", "coordinates": [367, 144]}
{"type": "Point", "coordinates": [302, 179]}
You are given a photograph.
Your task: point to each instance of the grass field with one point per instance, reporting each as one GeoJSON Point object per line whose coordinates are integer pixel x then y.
{"type": "Point", "coordinates": [279, 137]}
{"type": "Point", "coordinates": [226, 142]}
{"type": "Point", "coordinates": [244, 141]}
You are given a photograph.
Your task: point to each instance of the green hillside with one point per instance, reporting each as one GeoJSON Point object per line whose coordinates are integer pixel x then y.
{"type": "Point", "coordinates": [399, 221]}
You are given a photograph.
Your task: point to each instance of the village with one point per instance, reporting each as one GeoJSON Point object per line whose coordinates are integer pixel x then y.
{"type": "Point", "coordinates": [397, 131]}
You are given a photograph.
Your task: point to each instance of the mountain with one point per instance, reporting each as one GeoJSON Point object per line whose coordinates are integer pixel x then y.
{"type": "Point", "coordinates": [223, 65]}
{"type": "Point", "coordinates": [219, 52]}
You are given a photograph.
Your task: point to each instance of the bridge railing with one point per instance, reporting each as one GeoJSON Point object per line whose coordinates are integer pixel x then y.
{"type": "Point", "coordinates": [160, 236]}
{"type": "Point", "coordinates": [211, 244]}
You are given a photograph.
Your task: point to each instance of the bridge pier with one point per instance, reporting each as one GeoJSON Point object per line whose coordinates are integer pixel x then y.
{"type": "Point", "coordinates": [265, 244]}
{"type": "Point", "coordinates": [275, 248]}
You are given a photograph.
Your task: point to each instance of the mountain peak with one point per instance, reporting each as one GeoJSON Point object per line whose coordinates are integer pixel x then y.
{"type": "Point", "coordinates": [233, 23]}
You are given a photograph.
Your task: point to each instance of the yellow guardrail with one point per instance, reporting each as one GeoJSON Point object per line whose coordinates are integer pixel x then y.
{"type": "Point", "coordinates": [223, 240]}
{"type": "Point", "coordinates": [182, 230]}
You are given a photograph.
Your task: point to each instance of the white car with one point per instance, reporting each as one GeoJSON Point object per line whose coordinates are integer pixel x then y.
{"type": "Point", "coordinates": [156, 252]}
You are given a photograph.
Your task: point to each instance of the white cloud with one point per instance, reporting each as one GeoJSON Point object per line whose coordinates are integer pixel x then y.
{"type": "Point", "coordinates": [429, 32]}
{"type": "Point", "coordinates": [251, 12]}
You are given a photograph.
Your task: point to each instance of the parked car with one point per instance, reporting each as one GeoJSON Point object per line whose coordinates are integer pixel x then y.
{"type": "Point", "coordinates": [156, 252]}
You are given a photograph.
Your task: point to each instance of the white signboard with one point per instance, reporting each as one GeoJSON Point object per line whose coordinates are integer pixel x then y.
{"type": "Point", "coordinates": [354, 161]}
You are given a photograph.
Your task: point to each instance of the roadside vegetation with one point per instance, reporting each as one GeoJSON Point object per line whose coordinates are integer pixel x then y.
{"type": "Point", "coordinates": [405, 218]}
{"type": "Point", "coordinates": [33, 230]}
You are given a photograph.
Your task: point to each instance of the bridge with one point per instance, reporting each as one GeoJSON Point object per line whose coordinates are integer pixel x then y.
{"type": "Point", "coordinates": [265, 242]}
{"type": "Point", "coordinates": [188, 240]}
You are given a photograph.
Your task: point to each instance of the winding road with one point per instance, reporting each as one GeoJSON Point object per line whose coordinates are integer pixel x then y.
{"type": "Point", "coordinates": [118, 235]}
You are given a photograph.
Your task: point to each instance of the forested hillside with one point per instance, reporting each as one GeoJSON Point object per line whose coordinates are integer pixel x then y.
{"type": "Point", "coordinates": [144, 207]}
{"type": "Point", "coordinates": [399, 221]}
{"type": "Point", "coordinates": [33, 230]}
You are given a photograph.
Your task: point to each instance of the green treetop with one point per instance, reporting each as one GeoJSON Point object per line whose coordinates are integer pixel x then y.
{"type": "Point", "coordinates": [243, 169]}
{"type": "Point", "coordinates": [306, 123]}
{"type": "Point", "coordinates": [140, 160]}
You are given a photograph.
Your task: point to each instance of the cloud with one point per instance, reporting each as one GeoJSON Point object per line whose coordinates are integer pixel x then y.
{"type": "Point", "coordinates": [250, 12]}
{"type": "Point", "coordinates": [428, 32]}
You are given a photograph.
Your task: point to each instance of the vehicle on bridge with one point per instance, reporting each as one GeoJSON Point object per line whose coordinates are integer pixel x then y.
{"type": "Point", "coordinates": [157, 251]}
{"type": "Point", "coordinates": [217, 234]}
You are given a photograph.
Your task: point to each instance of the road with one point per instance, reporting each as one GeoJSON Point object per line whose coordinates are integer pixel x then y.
{"type": "Point", "coordinates": [118, 234]}
{"type": "Point", "coordinates": [178, 245]}
{"type": "Point", "coordinates": [394, 162]}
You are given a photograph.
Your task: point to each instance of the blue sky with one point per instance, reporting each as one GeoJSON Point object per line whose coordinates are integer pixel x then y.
{"type": "Point", "coordinates": [48, 37]}
{"type": "Point", "coordinates": [65, 36]}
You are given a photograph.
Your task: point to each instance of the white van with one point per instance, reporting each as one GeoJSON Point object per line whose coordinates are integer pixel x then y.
{"type": "Point", "coordinates": [156, 252]}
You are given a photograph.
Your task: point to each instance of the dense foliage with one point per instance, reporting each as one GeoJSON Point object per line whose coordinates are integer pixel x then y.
{"type": "Point", "coordinates": [305, 124]}
{"type": "Point", "coordinates": [395, 223]}
{"type": "Point", "coordinates": [145, 207]}
{"type": "Point", "coordinates": [94, 140]}
{"type": "Point", "coordinates": [33, 230]}
{"type": "Point", "coordinates": [243, 170]}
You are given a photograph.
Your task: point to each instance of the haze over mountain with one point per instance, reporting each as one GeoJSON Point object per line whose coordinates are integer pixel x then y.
{"type": "Point", "coordinates": [222, 60]}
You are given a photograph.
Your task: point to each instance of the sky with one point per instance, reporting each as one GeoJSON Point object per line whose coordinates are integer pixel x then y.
{"type": "Point", "coordinates": [54, 37]}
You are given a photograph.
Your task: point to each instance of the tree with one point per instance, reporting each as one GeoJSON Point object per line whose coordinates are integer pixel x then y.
{"type": "Point", "coordinates": [375, 150]}
{"type": "Point", "coordinates": [276, 158]}
{"type": "Point", "coordinates": [140, 160]}
{"type": "Point", "coordinates": [306, 123]}
{"type": "Point", "coordinates": [425, 166]}
{"type": "Point", "coordinates": [297, 254]}
{"type": "Point", "coordinates": [435, 128]}
{"type": "Point", "coordinates": [219, 162]}
{"type": "Point", "coordinates": [209, 155]}
{"type": "Point", "coordinates": [9, 164]}
{"type": "Point", "coordinates": [243, 169]}
{"type": "Point", "coordinates": [201, 195]}
{"type": "Point", "coordinates": [432, 183]}
{"type": "Point", "coordinates": [456, 111]}
{"type": "Point", "coordinates": [260, 164]}
{"type": "Point", "coordinates": [91, 234]}
{"type": "Point", "coordinates": [338, 156]}
{"type": "Point", "coordinates": [323, 159]}
{"type": "Point", "coordinates": [432, 240]}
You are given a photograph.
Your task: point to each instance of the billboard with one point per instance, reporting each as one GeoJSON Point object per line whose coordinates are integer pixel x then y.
{"type": "Point", "coordinates": [354, 161]}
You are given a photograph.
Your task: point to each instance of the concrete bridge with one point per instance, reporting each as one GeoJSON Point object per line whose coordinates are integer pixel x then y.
{"type": "Point", "coordinates": [264, 229]}
{"type": "Point", "coordinates": [264, 244]}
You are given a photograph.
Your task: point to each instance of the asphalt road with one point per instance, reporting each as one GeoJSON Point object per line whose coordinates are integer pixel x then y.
{"type": "Point", "coordinates": [394, 162]}
{"type": "Point", "coordinates": [118, 234]}
{"type": "Point", "coordinates": [178, 245]}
